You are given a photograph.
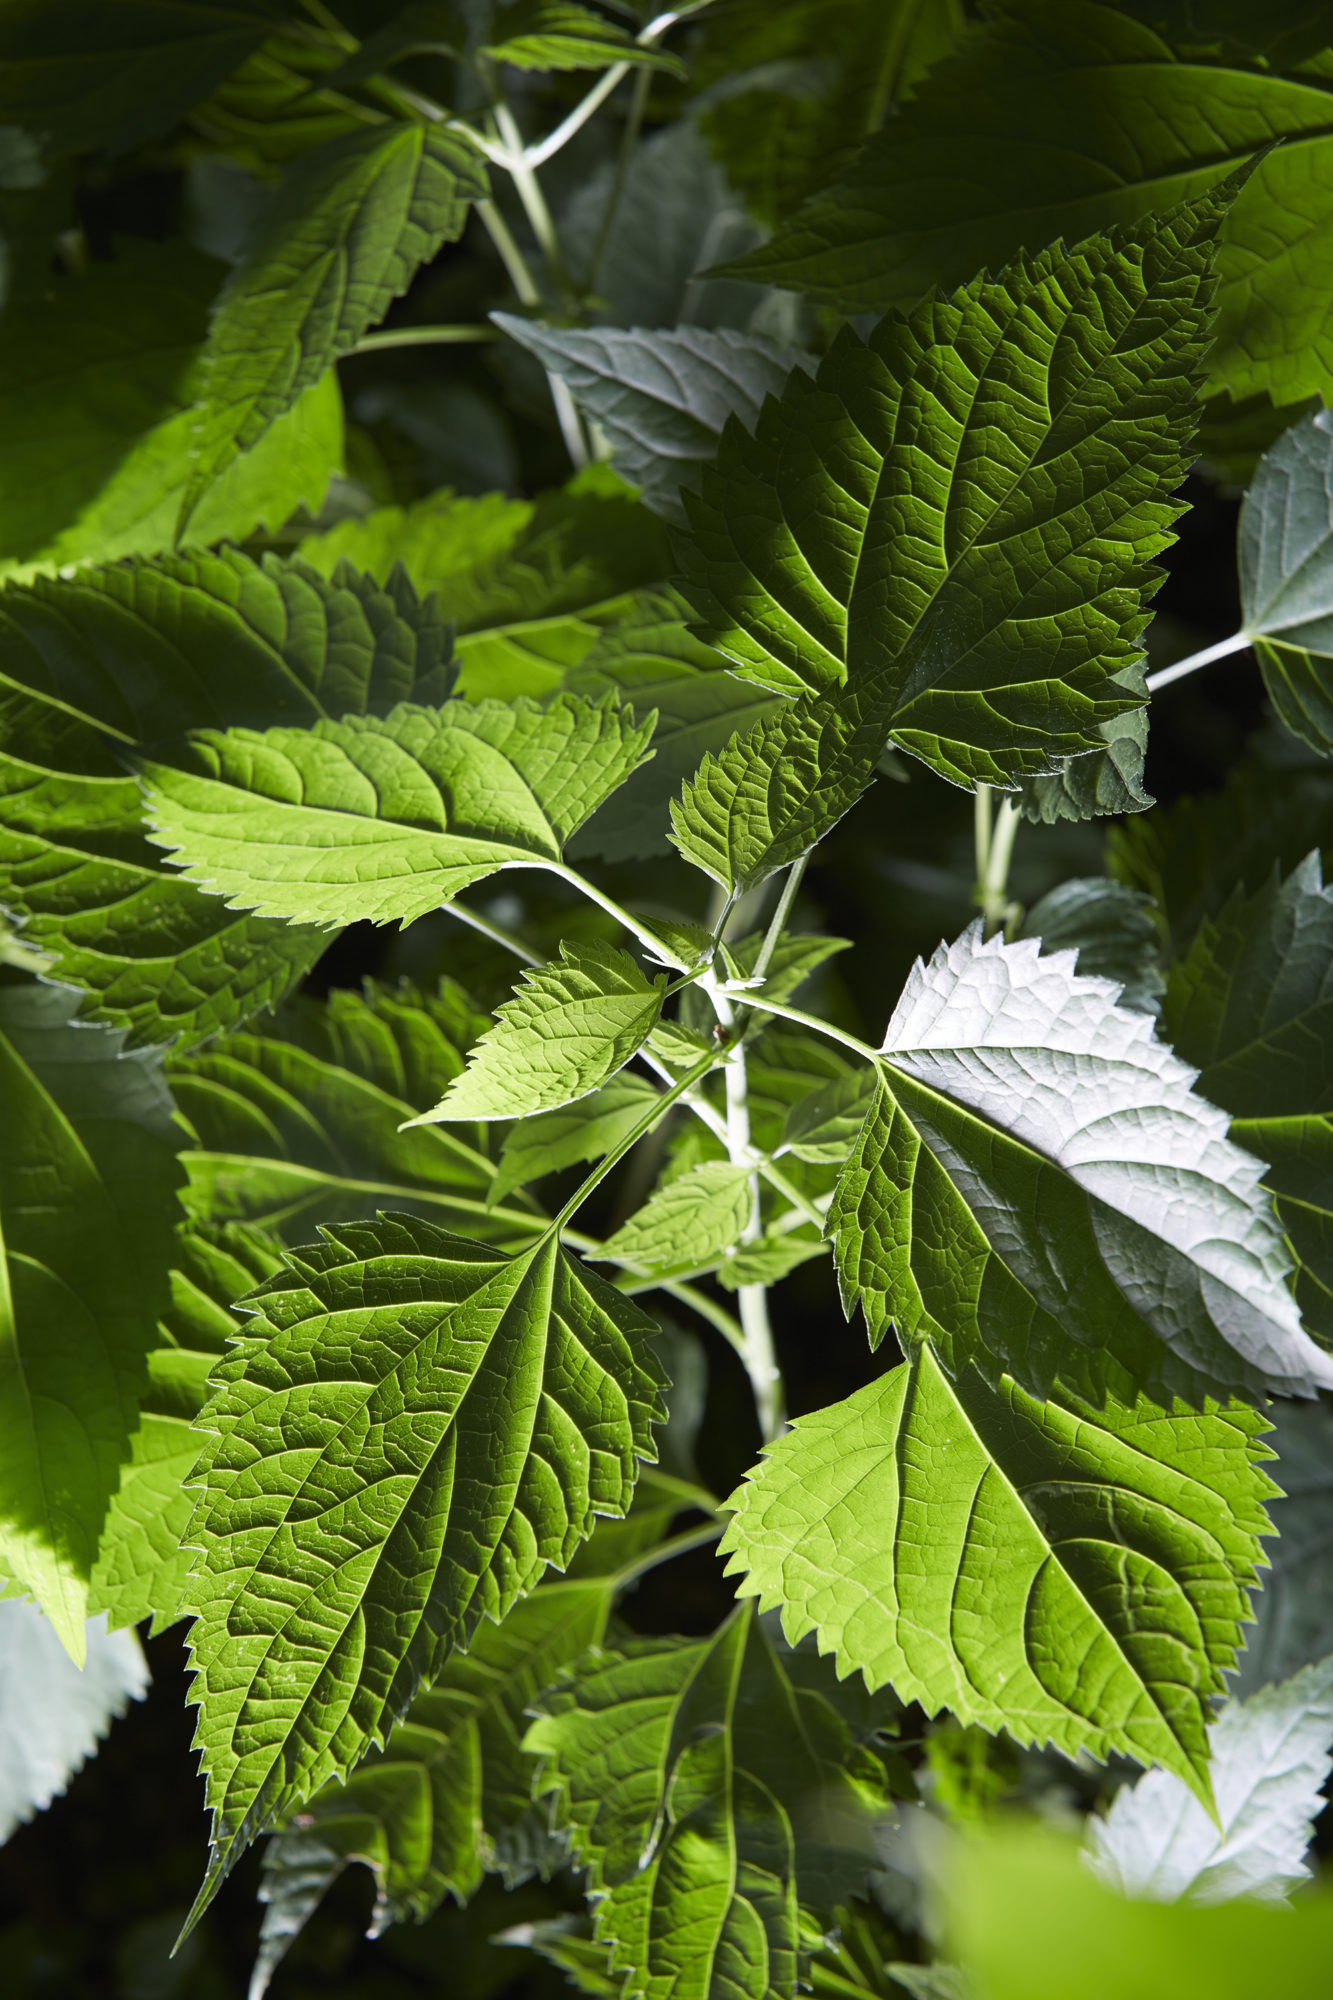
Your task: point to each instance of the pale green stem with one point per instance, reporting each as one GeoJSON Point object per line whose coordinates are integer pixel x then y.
{"type": "Point", "coordinates": [1235, 644]}
{"type": "Point", "coordinates": [760, 1358]}
{"type": "Point", "coordinates": [632, 1138]}
{"type": "Point", "coordinates": [515, 263]}
{"type": "Point", "coordinates": [546, 149]}
{"type": "Point", "coordinates": [780, 916]}
{"type": "Point", "coordinates": [994, 851]}
{"type": "Point", "coordinates": [491, 931]}
{"type": "Point", "coordinates": [803, 1020]}
{"type": "Point", "coordinates": [647, 938]}
{"type": "Point", "coordinates": [699, 1302]}
{"type": "Point", "coordinates": [678, 1545]}
{"type": "Point", "coordinates": [424, 336]}
{"type": "Point", "coordinates": [704, 1111]}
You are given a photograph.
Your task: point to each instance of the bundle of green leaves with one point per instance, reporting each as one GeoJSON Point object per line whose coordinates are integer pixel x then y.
{"type": "Point", "coordinates": [653, 460]}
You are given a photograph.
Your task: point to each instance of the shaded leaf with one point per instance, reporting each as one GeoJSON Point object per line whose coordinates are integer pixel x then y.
{"type": "Point", "coordinates": [823, 1125]}
{"type": "Point", "coordinates": [1072, 1575]}
{"type": "Point", "coordinates": [583, 1131]}
{"type": "Point", "coordinates": [55, 1713]}
{"type": "Point", "coordinates": [1294, 1609]}
{"type": "Point", "coordinates": [687, 1225]}
{"type": "Point", "coordinates": [560, 34]}
{"type": "Point", "coordinates": [1285, 552]}
{"type": "Point", "coordinates": [1112, 929]}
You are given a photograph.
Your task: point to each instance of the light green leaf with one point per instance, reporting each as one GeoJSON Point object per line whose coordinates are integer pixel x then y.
{"type": "Point", "coordinates": [1111, 927]}
{"type": "Point", "coordinates": [350, 226]}
{"type": "Point", "coordinates": [307, 1118]}
{"type": "Point", "coordinates": [568, 1028]}
{"type": "Point", "coordinates": [140, 652]}
{"type": "Point", "coordinates": [142, 1560]}
{"type": "Point", "coordinates": [530, 586]}
{"type": "Point", "coordinates": [709, 1797]}
{"type": "Point", "coordinates": [52, 1712]}
{"type": "Point", "coordinates": [1063, 117]}
{"type": "Point", "coordinates": [1038, 1188]}
{"type": "Point", "coordinates": [687, 1225]}
{"type": "Point", "coordinates": [1071, 1574]}
{"type": "Point", "coordinates": [88, 1210]}
{"type": "Point", "coordinates": [1252, 1005]}
{"type": "Point", "coordinates": [99, 373]}
{"type": "Point", "coordinates": [769, 1260]}
{"type": "Point", "coordinates": [660, 398]}
{"type": "Point", "coordinates": [85, 76]}
{"type": "Point", "coordinates": [1270, 1757]}
{"type": "Point", "coordinates": [823, 1125]}
{"type": "Point", "coordinates": [414, 1431]}
{"type": "Point", "coordinates": [1294, 1610]}
{"type": "Point", "coordinates": [1286, 577]}
{"type": "Point", "coordinates": [560, 34]}
{"type": "Point", "coordinates": [1032, 489]}
{"type": "Point", "coordinates": [564, 1138]}
{"type": "Point", "coordinates": [385, 820]}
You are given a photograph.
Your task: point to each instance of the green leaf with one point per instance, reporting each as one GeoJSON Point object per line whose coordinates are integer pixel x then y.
{"type": "Point", "coordinates": [100, 371]}
{"type": "Point", "coordinates": [415, 1428]}
{"type": "Point", "coordinates": [142, 1560]}
{"type": "Point", "coordinates": [385, 820]}
{"type": "Point", "coordinates": [823, 1125]}
{"type": "Point", "coordinates": [1112, 929]}
{"type": "Point", "coordinates": [559, 34]}
{"type": "Point", "coordinates": [1063, 117]}
{"type": "Point", "coordinates": [141, 652]}
{"type": "Point", "coordinates": [586, 1130]}
{"type": "Point", "coordinates": [54, 1712]}
{"type": "Point", "coordinates": [1069, 1573]}
{"type": "Point", "coordinates": [1023, 439]}
{"type": "Point", "coordinates": [1294, 1610]}
{"type": "Point", "coordinates": [661, 399]}
{"type": "Point", "coordinates": [769, 1260]}
{"type": "Point", "coordinates": [350, 226]}
{"type": "Point", "coordinates": [709, 1797]}
{"type": "Point", "coordinates": [1270, 1757]}
{"type": "Point", "coordinates": [568, 1028]}
{"type": "Point", "coordinates": [308, 1118]}
{"type": "Point", "coordinates": [1289, 31]}
{"type": "Point", "coordinates": [88, 1210]}
{"type": "Point", "coordinates": [1038, 1188]}
{"type": "Point", "coordinates": [1286, 577]}
{"type": "Point", "coordinates": [1110, 780]}
{"type": "Point", "coordinates": [531, 586]}
{"type": "Point", "coordinates": [1028, 1922]}
{"type": "Point", "coordinates": [687, 1225]}
{"type": "Point", "coordinates": [567, 1943]}
{"type": "Point", "coordinates": [85, 76]}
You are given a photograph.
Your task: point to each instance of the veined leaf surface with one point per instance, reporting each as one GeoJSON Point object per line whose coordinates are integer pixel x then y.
{"type": "Point", "coordinates": [1286, 576]}
{"type": "Point", "coordinates": [690, 1223]}
{"type": "Point", "coordinates": [560, 34]}
{"type": "Point", "coordinates": [1071, 1574]}
{"type": "Point", "coordinates": [564, 1138]}
{"type": "Point", "coordinates": [1294, 1609]}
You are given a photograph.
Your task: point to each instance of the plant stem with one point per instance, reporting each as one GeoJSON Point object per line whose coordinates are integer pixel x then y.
{"type": "Point", "coordinates": [708, 1309]}
{"type": "Point", "coordinates": [515, 263]}
{"type": "Point", "coordinates": [643, 83]}
{"type": "Point", "coordinates": [759, 1355]}
{"type": "Point", "coordinates": [704, 1111]}
{"type": "Point", "coordinates": [780, 916]}
{"type": "Point", "coordinates": [853, 1042]}
{"type": "Point", "coordinates": [424, 336]}
{"type": "Point", "coordinates": [678, 1545]}
{"type": "Point", "coordinates": [632, 1138]}
{"type": "Point", "coordinates": [647, 938]}
{"type": "Point", "coordinates": [994, 851]}
{"type": "Point", "coordinates": [1235, 644]}
{"type": "Point", "coordinates": [491, 931]}
{"type": "Point", "coordinates": [647, 38]}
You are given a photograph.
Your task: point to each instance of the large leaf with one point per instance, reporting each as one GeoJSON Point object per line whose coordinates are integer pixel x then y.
{"type": "Point", "coordinates": [82, 75]}
{"type": "Point", "coordinates": [568, 1028]}
{"type": "Point", "coordinates": [1270, 1757]}
{"type": "Point", "coordinates": [142, 1557]}
{"type": "Point", "coordinates": [560, 34]}
{"type": "Point", "coordinates": [1252, 1005]}
{"type": "Point", "coordinates": [99, 374]}
{"type": "Point", "coordinates": [960, 517]}
{"type": "Point", "coordinates": [52, 1713]}
{"type": "Point", "coordinates": [1067, 1573]}
{"type": "Point", "coordinates": [385, 820]}
{"type": "Point", "coordinates": [415, 1428]}
{"type": "Point", "coordinates": [530, 586]}
{"type": "Point", "coordinates": [661, 399]}
{"type": "Point", "coordinates": [1062, 117]}
{"type": "Point", "coordinates": [1294, 1610]}
{"type": "Point", "coordinates": [88, 1209]}
{"type": "Point", "coordinates": [350, 226]}
{"type": "Point", "coordinates": [141, 652]}
{"type": "Point", "coordinates": [1286, 577]}
{"type": "Point", "coordinates": [308, 1118]}
{"type": "Point", "coordinates": [709, 1795]}
{"type": "Point", "coordinates": [1038, 1188]}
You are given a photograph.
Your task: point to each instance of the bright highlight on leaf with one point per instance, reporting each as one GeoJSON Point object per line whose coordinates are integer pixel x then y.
{"type": "Point", "coordinates": [52, 1712]}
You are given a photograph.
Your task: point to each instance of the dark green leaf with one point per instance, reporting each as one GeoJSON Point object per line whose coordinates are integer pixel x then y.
{"type": "Point", "coordinates": [1286, 577]}
{"type": "Point", "coordinates": [1294, 1609]}
{"type": "Point", "coordinates": [1112, 929]}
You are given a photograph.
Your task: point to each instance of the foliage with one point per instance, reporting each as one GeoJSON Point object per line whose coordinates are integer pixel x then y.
{"type": "Point", "coordinates": [517, 520]}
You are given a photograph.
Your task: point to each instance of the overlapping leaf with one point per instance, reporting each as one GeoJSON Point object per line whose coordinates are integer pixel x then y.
{"type": "Point", "coordinates": [688, 1224]}
{"type": "Point", "coordinates": [1038, 1188]}
{"type": "Point", "coordinates": [385, 820]}
{"type": "Point", "coordinates": [88, 1211]}
{"type": "Point", "coordinates": [568, 1028]}
{"type": "Point", "coordinates": [52, 1713]}
{"type": "Point", "coordinates": [1061, 117]}
{"type": "Point", "coordinates": [1270, 1757]}
{"type": "Point", "coordinates": [710, 1797]}
{"type": "Point", "coordinates": [415, 1429]}
{"type": "Point", "coordinates": [141, 652]}
{"type": "Point", "coordinates": [1294, 1610]}
{"type": "Point", "coordinates": [1067, 1573]}
{"type": "Point", "coordinates": [1112, 929]}
{"type": "Point", "coordinates": [560, 34]}
{"type": "Point", "coordinates": [1286, 577]}
{"type": "Point", "coordinates": [958, 519]}
{"type": "Point", "coordinates": [349, 228]}
{"type": "Point", "coordinates": [582, 1131]}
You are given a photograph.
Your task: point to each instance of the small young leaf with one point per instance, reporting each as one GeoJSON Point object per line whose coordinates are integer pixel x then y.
{"type": "Point", "coordinates": [349, 228]}
{"type": "Point", "coordinates": [1038, 1188]}
{"type": "Point", "coordinates": [1270, 1757]}
{"type": "Point", "coordinates": [1113, 930]}
{"type": "Point", "coordinates": [768, 1261]}
{"type": "Point", "coordinates": [710, 1798]}
{"type": "Point", "coordinates": [823, 1125]}
{"type": "Point", "coordinates": [560, 34]}
{"type": "Point", "coordinates": [585, 1131]}
{"type": "Point", "coordinates": [686, 1225]}
{"type": "Point", "coordinates": [661, 398]}
{"type": "Point", "coordinates": [385, 820]}
{"type": "Point", "coordinates": [412, 1431]}
{"type": "Point", "coordinates": [568, 1028]}
{"type": "Point", "coordinates": [53, 1713]}
{"type": "Point", "coordinates": [1286, 577]}
{"type": "Point", "coordinates": [1068, 1573]}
